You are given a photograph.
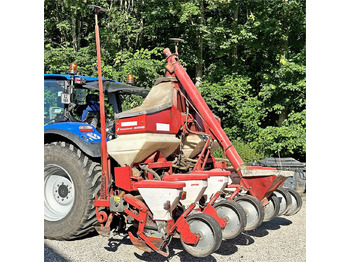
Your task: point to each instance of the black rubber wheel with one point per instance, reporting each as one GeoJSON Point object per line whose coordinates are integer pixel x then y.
{"type": "Point", "coordinates": [235, 216]}
{"type": "Point", "coordinates": [210, 235]}
{"type": "Point", "coordinates": [272, 208]}
{"type": "Point", "coordinates": [253, 209]}
{"type": "Point", "coordinates": [285, 200]}
{"type": "Point", "coordinates": [297, 202]}
{"type": "Point", "coordinates": [71, 180]}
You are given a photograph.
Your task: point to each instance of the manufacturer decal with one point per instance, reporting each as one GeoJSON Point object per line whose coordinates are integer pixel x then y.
{"type": "Point", "coordinates": [93, 136]}
{"type": "Point", "coordinates": [132, 123]}
{"type": "Point", "coordinates": [162, 127]}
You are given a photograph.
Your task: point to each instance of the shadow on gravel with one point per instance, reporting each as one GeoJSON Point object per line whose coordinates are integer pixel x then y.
{"type": "Point", "coordinates": [274, 224]}
{"type": "Point", "coordinates": [241, 240]}
{"type": "Point", "coordinates": [229, 247]}
{"type": "Point", "coordinates": [175, 244]}
{"type": "Point", "coordinates": [183, 255]}
{"type": "Point", "coordinates": [116, 241]}
{"type": "Point", "coordinates": [51, 255]}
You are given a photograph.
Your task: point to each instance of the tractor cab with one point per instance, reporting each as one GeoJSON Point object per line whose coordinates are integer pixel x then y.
{"type": "Point", "coordinates": [75, 98]}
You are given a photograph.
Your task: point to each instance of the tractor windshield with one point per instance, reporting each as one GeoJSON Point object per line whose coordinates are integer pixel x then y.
{"type": "Point", "coordinates": [52, 99]}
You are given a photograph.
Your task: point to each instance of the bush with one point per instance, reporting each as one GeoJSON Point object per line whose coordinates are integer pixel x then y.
{"type": "Point", "coordinates": [244, 150]}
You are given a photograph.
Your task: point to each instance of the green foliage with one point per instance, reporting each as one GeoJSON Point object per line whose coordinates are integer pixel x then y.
{"type": "Point", "coordinates": [289, 139]}
{"type": "Point", "coordinates": [131, 101]}
{"type": "Point", "coordinates": [284, 90]}
{"type": "Point", "coordinates": [146, 65]}
{"type": "Point", "coordinates": [245, 150]}
{"type": "Point", "coordinates": [246, 57]}
{"type": "Point", "coordinates": [232, 101]}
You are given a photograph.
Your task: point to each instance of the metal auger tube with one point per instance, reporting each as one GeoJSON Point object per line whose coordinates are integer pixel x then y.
{"type": "Point", "coordinates": [175, 67]}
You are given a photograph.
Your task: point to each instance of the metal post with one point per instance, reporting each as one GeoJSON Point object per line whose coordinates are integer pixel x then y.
{"type": "Point", "coordinates": [104, 177]}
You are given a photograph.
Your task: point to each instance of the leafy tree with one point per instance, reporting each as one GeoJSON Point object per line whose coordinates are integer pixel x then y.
{"type": "Point", "coordinates": [246, 57]}
{"type": "Point", "coordinates": [289, 139]}
{"type": "Point", "coordinates": [232, 101]}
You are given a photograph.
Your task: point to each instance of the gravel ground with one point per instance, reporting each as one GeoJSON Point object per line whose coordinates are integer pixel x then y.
{"type": "Point", "coordinates": [282, 239]}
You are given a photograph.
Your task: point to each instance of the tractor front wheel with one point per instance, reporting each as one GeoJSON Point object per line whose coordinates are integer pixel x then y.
{"type": "Point", "coordinates": [71, 180]}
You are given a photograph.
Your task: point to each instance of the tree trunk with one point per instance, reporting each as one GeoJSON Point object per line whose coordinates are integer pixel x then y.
{"type": "Point", "coordinates": [285, 31]}
{"type": "Point", "coordinates": [282, 116]}
{"type": "Point", "coordinates": [199, 67]}
{"type": "Point", "coordinates": [199, 34]}
{"type": "Point", "coordinates": [234, 26]}
{"type": "Point", "coordinates": [74, 32]}
{"type": "Point", "coordinates": [284, 54]}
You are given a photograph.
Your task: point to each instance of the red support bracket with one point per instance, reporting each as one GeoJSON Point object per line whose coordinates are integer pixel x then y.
{"type": "Point", "coordinates": [183, 228]}
{"type": "Point", "coordinates": [198, 167]}
{"type": "Point", "coordinates": [234, 194]}
{"type": "Point", "coordinates": [210, 210]}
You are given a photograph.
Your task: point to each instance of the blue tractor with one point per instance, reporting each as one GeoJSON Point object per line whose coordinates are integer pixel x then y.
{"type": "Point", "coordinates": [72, 150]}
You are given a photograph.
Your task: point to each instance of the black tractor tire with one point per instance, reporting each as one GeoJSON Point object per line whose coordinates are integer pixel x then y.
{"type": "Point", "coordinates": [210, 232]}
{"type": "Point", "coordinates": [235, 215]}
{"type": "Point", "coordinates": [297, 202]}
{"type": "Point", "coordinates": [77, 179]}
{"type": "Point", "coordinates": [253, 209]}
{"type": "Point", "coordinates": [272, 208]}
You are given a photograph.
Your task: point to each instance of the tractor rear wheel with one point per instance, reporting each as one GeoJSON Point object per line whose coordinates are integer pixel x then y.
{"type": "Point", "coordinates": [71, 180]}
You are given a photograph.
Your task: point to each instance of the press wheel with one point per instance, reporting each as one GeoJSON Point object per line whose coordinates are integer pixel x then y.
{"type": "Point", "coordinates": [234, 215]}
{"type": "Point", "coordinates": [272, 208]}
{"type": "Point", "coordinates": [210, 235]}
{"type": "Point", "coordinates": [285, 199]}
{"type": "Point", "coordinates": [296, 202]}
{"type": "Point", "coordinates": [254, 211]}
